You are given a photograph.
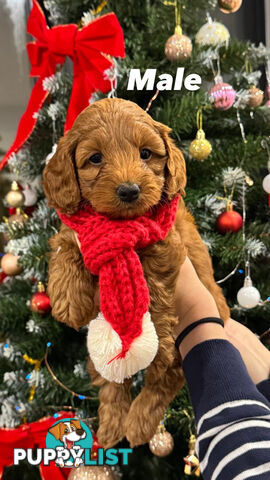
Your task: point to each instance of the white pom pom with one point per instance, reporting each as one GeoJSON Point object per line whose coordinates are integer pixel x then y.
{"type": "Point", "coordinates": [104, 343]}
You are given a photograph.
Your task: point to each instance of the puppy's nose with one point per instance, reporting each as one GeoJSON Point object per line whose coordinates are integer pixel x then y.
{"type": "Point", "coordinates": [128, 192]}
{"type": "Point", "coordinates": [79, 431]}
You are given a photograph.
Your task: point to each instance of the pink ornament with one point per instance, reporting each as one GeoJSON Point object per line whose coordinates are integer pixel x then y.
{"type": "Point", "coordinates": [267, 93]}
{"type": "Point", "coordinates": [222, 95]}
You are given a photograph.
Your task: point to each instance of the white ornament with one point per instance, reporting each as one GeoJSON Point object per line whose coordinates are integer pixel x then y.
{"type": "Point", "coordinates": [30, 196]}
{"type": "Point", "coordinates": [248, 296]}
{"type": "Point", "coordinates": [266, 183]}
{"type": "Point", "coordinates": [104, 344]}
{"type": "Point", "coordinates": [213, 33]}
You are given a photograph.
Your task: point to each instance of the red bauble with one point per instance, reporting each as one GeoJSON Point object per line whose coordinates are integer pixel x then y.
{"type": "Point", "coordinates": [229, 221]}
{"type": "Point", "coordinates": [40, 301]}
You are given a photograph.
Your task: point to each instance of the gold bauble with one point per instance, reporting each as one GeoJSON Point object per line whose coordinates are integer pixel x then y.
{"type": "Point", "coordinates": [15, 198]}
{"type": "Point", "coordinates": [16, 218]}
{"type": "Point", "coordinates": [200, 148]}
{"type": "Point", "coordinates": [178, 47]}
{"type": "Point", "coordinates": [256, 97]}
{"type": "Point", "coordinates": [162, 443]}
{"type": "Point", "coordinates": [229, 6]}
{"type": "Point", "coordinates": [91, 473]}
{"type": "Point", "coordinates": [212, 33]}
{"type": "Point", "coordinates": [9, 264]}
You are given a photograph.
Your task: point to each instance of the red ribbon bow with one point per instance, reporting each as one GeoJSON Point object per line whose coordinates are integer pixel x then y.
{"type": "Point", "coordinates": [86, 47]}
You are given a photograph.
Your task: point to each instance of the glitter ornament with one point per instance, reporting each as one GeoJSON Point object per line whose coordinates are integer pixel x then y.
{"type": "Point", "coordinates": [91, 473]}
{"type": "Point", "coordinates": [178, 47]}
{"type": "Point", "coordinates": [255, 97]}
{"type": "Point", "coordinates": [229, 6]}
{"type": "Point", "coordinates": [192, 464]}
{"type": "Point", "coordinates": [162, 443]}
{"type": "Point", "coordinates": [200, 148]}
{"type": "Point", "coordinates": [229, 221]}
{"type": "Point", "coordinates": [15, 198]}
{"type": "Point", "coordinates": [222, 95]}
{"type": "Point", "coordinates": [40, 301]}
{"type": "Point", "coordinates": [30, 196]}
{"type": "Point", "coordinates": [9, 264]}
{"type": "Point", "coordinates": [212, 33]}
{"type": "Point", "coordinates": [248, 296]}
{"type": "Point", "coordinates": [12, 222]}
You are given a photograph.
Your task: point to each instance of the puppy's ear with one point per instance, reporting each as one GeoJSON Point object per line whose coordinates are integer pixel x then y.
{"type": "Point", "coordinates": [59, 178]}
{"type": "Point", "coordinates": [76, 423]}
{"type": "Point", "coordinates": [175, 173]}
{"type": "Point", "coordinates": [55, 431]}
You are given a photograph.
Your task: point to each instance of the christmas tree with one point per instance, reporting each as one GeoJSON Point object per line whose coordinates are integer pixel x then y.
{"type": "Point", "coordinates": [224, 135]}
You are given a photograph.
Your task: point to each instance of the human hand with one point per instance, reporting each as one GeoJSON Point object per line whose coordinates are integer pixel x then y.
{"type": "Point", "coordinates": [255, 356]}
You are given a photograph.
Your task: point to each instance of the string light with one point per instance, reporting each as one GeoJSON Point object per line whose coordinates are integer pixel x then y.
{"type": "Point", "coordinates": [61, 384]}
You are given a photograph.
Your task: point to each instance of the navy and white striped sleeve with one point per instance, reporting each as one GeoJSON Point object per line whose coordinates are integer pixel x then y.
{"type": "Point", "coordinates": [232, 416]}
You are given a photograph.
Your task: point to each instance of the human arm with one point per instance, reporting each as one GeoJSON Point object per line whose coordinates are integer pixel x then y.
{"type": "Point", "coordinates": [232, 416]}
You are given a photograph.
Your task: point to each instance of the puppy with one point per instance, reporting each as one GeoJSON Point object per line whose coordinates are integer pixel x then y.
{"type": "Point", "coordinates": [113, 149]}
{"type": "Point", "coordinates": [68, 433]}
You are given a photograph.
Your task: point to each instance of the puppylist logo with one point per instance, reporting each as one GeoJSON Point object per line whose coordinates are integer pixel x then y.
{"type": "Point", "coordinates": [68, 444]}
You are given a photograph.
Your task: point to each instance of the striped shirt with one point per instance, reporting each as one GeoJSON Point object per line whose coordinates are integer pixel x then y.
{"type": "Point", "coordinates": [232, 414]}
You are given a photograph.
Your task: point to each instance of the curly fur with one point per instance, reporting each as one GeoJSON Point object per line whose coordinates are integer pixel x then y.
{"type": "Point", "coordinates": [119, 129]}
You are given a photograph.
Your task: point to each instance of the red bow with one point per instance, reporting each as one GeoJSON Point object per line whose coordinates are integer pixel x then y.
{"type": "Point", "coordinates": [31, 435]}
{"type": "Point", "coordinates": [87, 47]}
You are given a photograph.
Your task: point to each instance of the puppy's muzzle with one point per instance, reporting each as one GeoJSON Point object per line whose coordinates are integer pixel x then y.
{"type": "Point", "coordinates": [128, 192]}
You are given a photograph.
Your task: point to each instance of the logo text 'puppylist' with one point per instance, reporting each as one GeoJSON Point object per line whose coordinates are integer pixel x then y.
{"type": "Point", "coordinates": [68, 444]}
{"type": "Point", "coordinates": [166, 81]}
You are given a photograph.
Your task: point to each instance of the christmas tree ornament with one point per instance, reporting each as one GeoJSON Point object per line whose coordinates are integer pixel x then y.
{"type": "Point", "coordinates": [266, 183]}
{"type": "Point", "coordinates": [40, 301]}
{"type": "Point", "coordinates": [15, 197]}
{"type": "Point", "coordinates": [178, 47]}
{"type": "Point", "coordinates": [200, 148]}
{"type": "Point", "coordinates": [88, 47]}
{"type": "Point", "coordinates": [248, 296]}
{"type": "Point", "coordinates": [30, 196]}
{"type": "Point", "coordinates": [229, 221]}
{"type": "Point", "coordinates": [229, 6]}
{"type": "Point", "coordinates": [212, 33]}
{"type": "Point", "coordinates": [91, 473]}
{"type": "Point", "coordinates": [266, 186]}
{"type": "Point", "coordinates": [162, 443]}
{"type": "Point", "coordinates": [192, 464]}
{"type": "Point", "coordinates": [9, 264]}
{"type": "Point", "coordinates": [13, 221]}
{"type": "Point", "coordinates": [222, 95]}
{"type": "Point", "coordinates": [255, 97]}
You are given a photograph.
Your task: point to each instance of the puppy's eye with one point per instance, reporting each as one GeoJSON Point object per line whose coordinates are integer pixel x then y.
{"type": "Point", "coordinates": [145, 154]}
{"type": "Point", "coordinates": [96, 159]}
{"type": "Point", "coordinates": [66, 430]}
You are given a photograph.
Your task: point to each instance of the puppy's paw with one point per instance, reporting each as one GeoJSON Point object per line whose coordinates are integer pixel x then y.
{"type": "Point", "coordinates": [111, 432]}
{"type": "Point", "coordinates": [141, 422]}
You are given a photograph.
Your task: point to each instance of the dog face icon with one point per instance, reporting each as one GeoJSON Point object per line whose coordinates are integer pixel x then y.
{"type": "Point", "coordinates": [68, 432]}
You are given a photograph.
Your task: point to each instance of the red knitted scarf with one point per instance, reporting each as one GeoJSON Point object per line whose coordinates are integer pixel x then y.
{"type": "Point", "coordinates": [109, 249]}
